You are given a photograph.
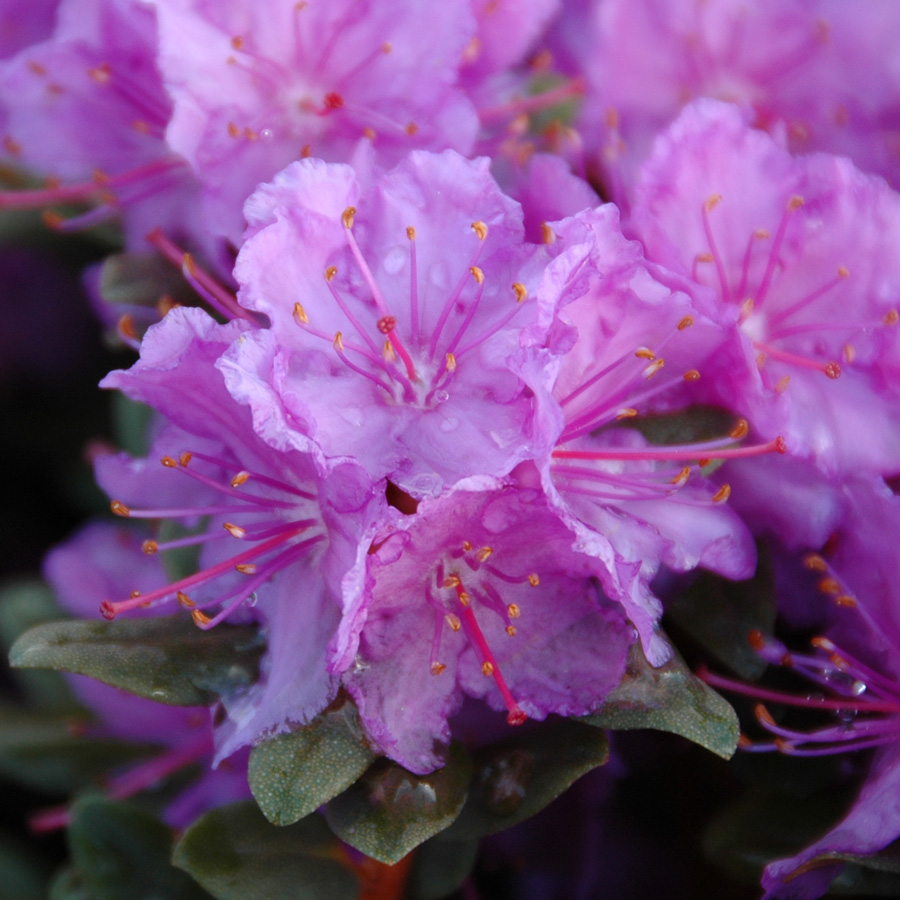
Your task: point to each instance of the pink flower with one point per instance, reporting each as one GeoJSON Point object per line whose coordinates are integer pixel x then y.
{"type": "Point", "coordinates": [393, 307]}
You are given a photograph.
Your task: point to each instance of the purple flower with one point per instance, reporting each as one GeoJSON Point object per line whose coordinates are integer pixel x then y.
{"type": "Point", "coordinates": [273, 522]}
{"type": "Point", "coordinates": [800, 253]}
{"type": "Point", "coordinates": [480, 594]}
{"type": "Point", "coordinates": [102, 560]}
{"type": "Point", "coordinates": [256, 87]}
{"type": "Point", "coordinates": [818, 72]}
{"type": "Point", "coordinates": [25, 22]}
{"type": "Point", "coordinates": [394, 308]}
{"type": "Point", "coordinates": [629, 345]}
{"type": "Point", "coordinates": [87, 108]}
{"type": "Point", "coordinates": [857, 662]}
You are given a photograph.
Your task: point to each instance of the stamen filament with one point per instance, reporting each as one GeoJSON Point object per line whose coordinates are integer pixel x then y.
{"type": "Point", "coordinates": [701, 451]}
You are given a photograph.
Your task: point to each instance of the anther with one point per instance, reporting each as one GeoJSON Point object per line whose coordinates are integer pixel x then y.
{"type": "Point", "coordinates": [387, 352]}
{"type": "Point", "coordinates": [815, 563]}
{"type": "Point", "coordinates": [654, 367]}
{"type": "Point", "coordinates": [451, 362]}
{"type": "Point", "coordinates": [843, 271]}
{"type": "Point", "coordinates": [386, 47]}
{"type": "Point", "coordinates": [477, 274]}
{"type": "Point", "coordinates": [481, 229]}
{"type": "Point", "coordinates": [149, 547]}
{"type": "Point", "coordinates": [464, 597]}
{"type": "Point", "coordinates": [134, 594]}
{"type": "Point", "coordinates": [125, 326]}
{"type": "Point", "coordinates": [487, 668]}
{"type": "Point", "coordinates": [833, 370]}
{"type": "Point", "coordinates": [740, 430]}
{"type": "Point", "coordinates": [846, 601]}
{"type": "Point", "coordinates": [795, 202]}
{"type": "Point", "coordinates": [644, 353]}
{"type": "Point", "coordinates": [892, 317]}
{"type": "Point", "coordinates": [521, 293]}
{"type": "Point", "coordinates": [330, 272]}
{"type": "Point", "coordinates": [712, 202]}
{"type": "Point", "coordinates": [782, 384]}
{"type": "Point", "coordinates": [411, 128]}
{"type": "Point", "coordinates": [682, 477]}
{"type": "Point", "coordinates": [338, 342]}
{"type": "Point", "coordinates": [484, 554]}
{"type": "Point", "coordinates": [628, 413]}
{"type": "Point", "coordinates": [747, 308]}
{"type": "Point", "coordinates": [119, 509]}
{"type": "Point", "coordinates": [722, 494]}
{"type": "Point", "coordinates": [239, 479]}
{"type": "Point", "coordinates": [437, 668]}
{"type": "Point", "coordinates": [511, 630]}
{"type": "Point", "coordinates": [169, 463]}
{"type": "Point", "coordinates": [548, 236]}
{"type": "Point", "coordinates": [830, 586]}
{"type": "Point", "coordinates": [467, 546]}
{"type": "Point", "coordinates": [12, 146]}
{"type": "Point", "coordinates": [411, 232]}
{"type": "Point", "coordinates": [692, 375]}
{"type": "Point", "coordinates": [237, 42]}
{"type": "Point", "coordinates": [757, 640]}
{"type": "Point", "coordinates": [686, 322]}
{"type": "Point", "coordinates": [451, 581]}
{"type": "Point", "coordinates": [101, 73]}
{"type": "Point", "coordinates": [763, 715]}
{"type": "Point", "coordinates": [534, 579]}
{"type": "Point", "coordinates": [183, 600]}
{"type": "Point", "coordinates": [184, 459]}
{"type": "Point", "coordinates": [453, 621]}
{"type": "Point", "coordinates": [234, 530]}
{"type": "Point", "coordinates": [744, 743]}
{"type": "Point", "coordinates": [300, 316]}
{"type": "Point", "coordinates": [347, 216]}
{"type": "Point", "coordinates": [246, 568]}
{"type": "Point", "coordinates": [200, 618]}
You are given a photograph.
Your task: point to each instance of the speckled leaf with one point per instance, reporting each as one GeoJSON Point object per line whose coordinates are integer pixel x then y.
{"type": "Point", "coordinates": [719, 615]}
{"type": "Point", "coordinates": [389, 811]}
{"type": "Point", "coordinates": [120, 851]}
{"type": "Point", "coordinates": [24, 603]}
{"type": "Point", "coordinates": [237, 855]}
{"type": "Point", "coordinates": [669, 698]}
{"type": "Point", "coordinates": [47, 750]}
{"type": "Point", "coordinates": [517, 777]}
{"type": "Point", "coordinates": [166, 659]}
{"type": "Point", "coordinates": [293, 774]}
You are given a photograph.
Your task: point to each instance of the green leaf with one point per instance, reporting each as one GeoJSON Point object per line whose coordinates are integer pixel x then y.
{"type": "Point", "coordinates": [131, 422]}
{"type": "Point", "coordinates": [293, 774]}
{"type": "Point", "coordinates": [24, 603]}
{"type": "Point", "coordinates": [517, 777]}
{"type": "Point", "coordinates": [719, 615]}
{"type": "Point", "coordinates": [389, 811]}
{"type": "Point", "coordinates": [687, 426]}
{"type": "Point", "coordinates": [237, 855]}
{"type": "Point", "coordinates": [440, 867]}
{"type": "Point", "coordinates": [120, 851]}
{"type": "Point", "coordinates": [669, 698]}
{"type": "Point", "coordinates": [47, 751]}
{"type": "Point", "coordinates": [22, 872]}
{"type": "Point", "coordinates": [67, 885]}
{"type": "Point", "coordinates": [167, 659]}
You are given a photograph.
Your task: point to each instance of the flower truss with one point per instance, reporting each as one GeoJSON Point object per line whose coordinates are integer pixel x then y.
{"type": "Point", "coordinates": [471, 349]}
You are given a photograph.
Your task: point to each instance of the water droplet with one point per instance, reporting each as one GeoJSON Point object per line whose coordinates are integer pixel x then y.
{"type": "Point", "coordinates": [252, 599]}
{"type": "Point", "coordinates": [441, 396]}
{"type": "Point", "coordinates": [449, 424]}
{"type": "Point", "coordinates": [395, 259]}
{"type": "Point", "coordinates": [859, 687]}
{"type": "Point", "coordinates": [267, 134]}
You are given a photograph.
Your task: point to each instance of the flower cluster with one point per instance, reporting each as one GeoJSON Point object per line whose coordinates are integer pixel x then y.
{"type": "Point", "coordinates": [438, 424]}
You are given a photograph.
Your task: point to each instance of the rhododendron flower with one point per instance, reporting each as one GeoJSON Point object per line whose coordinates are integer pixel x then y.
{"type": "Point", "coordinates": [479, 593]}
{"type": "Point", "coordinates": [857, 664]}
{"type": "Point", "coordinates": [393, 307]}
{"type": "Point", "coordinates": [269, 522]}
{"type": "Point", "coordinates": [105, 560]}
{"type": "Point", "coordinates": [820, 73]}
{"type": "Point", "coordinates": [87, 108]}
{"type": "Point", "coordinates": [630, 345]}
{"type": "Point", "coordinates": [801, 254]}
{"type": "Point", "coordinates": [256, 87]}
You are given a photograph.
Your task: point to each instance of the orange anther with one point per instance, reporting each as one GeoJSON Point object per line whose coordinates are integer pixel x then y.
{"type": "Point", "coordinates": [120, 509]}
